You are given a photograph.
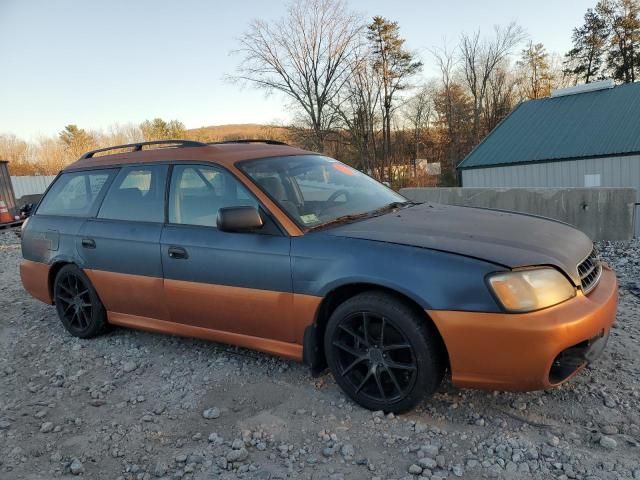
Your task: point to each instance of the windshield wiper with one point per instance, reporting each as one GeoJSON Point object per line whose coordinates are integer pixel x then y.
{"type": "Point", "coordinates": [357, 216]}
{"type": "Point", "coordinates": [341, 219]}
{"type": "Point", "coordinates": [393, 206]}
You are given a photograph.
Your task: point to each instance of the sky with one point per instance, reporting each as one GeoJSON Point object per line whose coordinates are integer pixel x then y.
{"type": "Point", "coordinates": [99, 63]}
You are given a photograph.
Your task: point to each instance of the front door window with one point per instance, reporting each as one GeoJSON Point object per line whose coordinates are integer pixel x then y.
{"type": "Point", "coordinates": [198, 192]}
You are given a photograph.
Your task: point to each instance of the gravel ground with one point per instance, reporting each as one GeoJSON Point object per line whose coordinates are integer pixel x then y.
{"type": "Point", "coordinates": [135, 405]}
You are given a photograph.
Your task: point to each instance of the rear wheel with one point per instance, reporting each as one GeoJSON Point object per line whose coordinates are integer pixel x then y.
{"type": "Point", "coordinates": [382, 353]}
{"type": "Point", "coordinates": [77, 303]}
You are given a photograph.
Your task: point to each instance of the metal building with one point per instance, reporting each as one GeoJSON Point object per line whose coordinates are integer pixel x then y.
{"type": "Point", "coordinates": [587, 136]}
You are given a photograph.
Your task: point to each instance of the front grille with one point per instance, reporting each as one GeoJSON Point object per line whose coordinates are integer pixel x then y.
{"type": "Point", "coordinates": [590, 270]}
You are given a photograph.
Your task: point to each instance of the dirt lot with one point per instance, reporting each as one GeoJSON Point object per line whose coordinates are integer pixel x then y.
{"type": "Point", "coordinates": [134, 405]}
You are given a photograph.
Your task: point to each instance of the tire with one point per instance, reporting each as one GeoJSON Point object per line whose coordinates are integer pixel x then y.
{"type": "Point", "coordinates": [79, 307]}
{"type": "Point", "coordinates": [390, 372]}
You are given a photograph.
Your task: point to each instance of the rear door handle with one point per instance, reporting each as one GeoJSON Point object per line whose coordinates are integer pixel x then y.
{"type": "Point", "coordinates": [178, 253]}
{"type": "Point", "coordinates": [88, 243]}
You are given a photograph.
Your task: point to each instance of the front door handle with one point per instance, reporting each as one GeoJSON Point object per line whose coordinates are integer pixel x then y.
{"type": "Point", "coordinates": [178, 253]}
{"type": "Point", "coordinates": [88, 243]}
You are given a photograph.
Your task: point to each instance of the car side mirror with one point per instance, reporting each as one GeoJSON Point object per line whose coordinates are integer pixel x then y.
{"type": "Point", "coordinates": [239, 219]}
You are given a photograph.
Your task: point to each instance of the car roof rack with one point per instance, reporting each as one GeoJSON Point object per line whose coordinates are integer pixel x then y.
{"type": "Point", "coordinates": [136, 147]}
{"type": "Point", "coordinates": [250, 140]}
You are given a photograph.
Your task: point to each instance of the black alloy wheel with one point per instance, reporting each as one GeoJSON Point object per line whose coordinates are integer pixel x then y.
{"type": "Point", "coordinates": [382, 354]}
{"type": "Point", "coordinates": [374, 357]}
{"type": "Point", "coordinates": [77, 303]}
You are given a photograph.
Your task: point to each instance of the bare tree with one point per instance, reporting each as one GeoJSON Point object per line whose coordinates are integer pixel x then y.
{"type": "Point", "coordinates": [358, 105]}
{"type": "Point", "coordinates": [52, 155]}
{"type": "Point", "coordinates": [16, 152]}
{"type": "Point", "coordinates": [13, 148]}
{"type": "Point", "coordinates": [453, 114]}
{"type": "Point", "coordinates": [119, 134]}
{"type": "Point", "coordinates": [306, 55]}
{"type": "Point", "coordinates": [501, 96]}
{"type": "Point", "coordinates": [480, 57]}
{"type": "Point", "coordinates": [418, 112]}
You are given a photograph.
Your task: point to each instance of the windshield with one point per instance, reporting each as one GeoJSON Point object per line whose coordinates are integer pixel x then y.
{"type": "Point", "coordinates": [316, 190]}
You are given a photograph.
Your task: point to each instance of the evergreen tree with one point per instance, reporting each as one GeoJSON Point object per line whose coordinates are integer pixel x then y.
{"type": "Point", "coordinates": [623, 18]}
{"type": "Point", "coordinates": [394, 64]}
{"type": "Point", "coordinates": [537, 78]}
{"type": "Point", "coordinates": [158, 129]}
{"type": "Point", "coordinates": [76, 140]}
{"type": "Point", "coordinates": [586, 59]}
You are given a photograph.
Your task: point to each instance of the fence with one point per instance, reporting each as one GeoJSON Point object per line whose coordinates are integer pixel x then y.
{"type": "Point", "coordinates": [30, 185]}
{"type": "Point", "coordinates": [601, 213]}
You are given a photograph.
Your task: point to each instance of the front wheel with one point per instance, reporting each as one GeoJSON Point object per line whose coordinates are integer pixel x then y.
{"type": "Point", "coordinates": [382, 353]}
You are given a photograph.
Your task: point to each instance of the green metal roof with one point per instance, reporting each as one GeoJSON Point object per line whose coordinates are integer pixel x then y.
{"type": "Point", "coordinates": [591, 124]}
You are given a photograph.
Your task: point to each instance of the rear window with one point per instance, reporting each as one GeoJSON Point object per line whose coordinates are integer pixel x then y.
{"type": "Point", "coordinates": [137, 194]}
{"type": "Point", "coordinates": [74, 194]}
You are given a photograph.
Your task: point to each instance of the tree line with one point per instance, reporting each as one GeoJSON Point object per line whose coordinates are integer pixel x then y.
{"type": "Point", "coordinates": [48, 155]}
{"type": "Point", "coordinates": [360, 95]}
{"type": "Point", "coordinates": [358, 91]}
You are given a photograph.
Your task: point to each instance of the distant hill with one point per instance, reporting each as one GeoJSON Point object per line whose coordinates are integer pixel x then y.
{"type": "Point", "coordinates": [217, 133]}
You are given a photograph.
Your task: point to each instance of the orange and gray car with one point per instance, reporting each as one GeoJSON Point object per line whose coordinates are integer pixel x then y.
{"type": "Point", "coordinates": [286, 251]}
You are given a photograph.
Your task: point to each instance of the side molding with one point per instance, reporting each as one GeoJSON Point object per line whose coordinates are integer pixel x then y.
{"type": "Point", "coordinates": [283, 349]}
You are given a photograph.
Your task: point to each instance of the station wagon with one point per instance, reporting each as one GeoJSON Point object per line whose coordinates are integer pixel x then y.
{"type": "Point", "coordinates": [266, 246]}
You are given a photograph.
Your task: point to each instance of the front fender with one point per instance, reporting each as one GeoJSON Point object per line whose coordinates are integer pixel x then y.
{"type": "Point", "coordinates": [435, 280]}
{"type": "Point", "coordinates": [380, 281]}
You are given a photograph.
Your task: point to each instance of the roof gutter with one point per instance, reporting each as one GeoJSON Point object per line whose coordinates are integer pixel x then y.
{"type": "Point", "coordinates": [549, 160]}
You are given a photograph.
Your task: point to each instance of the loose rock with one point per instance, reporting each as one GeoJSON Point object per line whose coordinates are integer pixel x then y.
{"type": "Point", "coordinates": [46, 427]}
{"type": "Point", "coordinates": [211, 413]}
{"type": "Point", "coordinates": [76, 467]}
{"type": "Point", "coordinates": [608, 442]}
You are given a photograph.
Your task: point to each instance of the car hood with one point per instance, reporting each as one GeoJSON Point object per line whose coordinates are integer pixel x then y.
{"type": "Point", "coordinates": [508, 239]}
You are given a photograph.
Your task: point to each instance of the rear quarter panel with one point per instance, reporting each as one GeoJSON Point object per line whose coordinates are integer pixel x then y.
{"type": "Point", "coordinates": [47, 240]}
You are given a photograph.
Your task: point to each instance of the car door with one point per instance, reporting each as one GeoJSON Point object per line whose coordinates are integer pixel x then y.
{"type": "Point", "coordinates": [121, 245]}
{"type": "Point", "coordinates": [222, 281]}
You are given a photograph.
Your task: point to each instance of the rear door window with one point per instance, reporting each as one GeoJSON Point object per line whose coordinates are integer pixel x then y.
{"type": "Point", "coordinates": [137, 194]}
{"type": "Point", "coordinates": [75, 194]}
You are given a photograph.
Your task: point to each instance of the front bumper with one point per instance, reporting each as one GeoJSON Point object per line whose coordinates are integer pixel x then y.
{"type": "Point", "coordinates": [528, 351]}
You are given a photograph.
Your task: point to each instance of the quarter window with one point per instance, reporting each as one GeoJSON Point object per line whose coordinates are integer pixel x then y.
{"type": "Point", "coordinates": [137, 194]}
{"type": "Point", "coordinates": [74, 194]}
{"type": "Point", "coordinates": [198, 192]}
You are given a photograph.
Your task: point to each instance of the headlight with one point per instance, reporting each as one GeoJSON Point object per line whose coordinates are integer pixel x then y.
{"type": "Point", "coordinates": [528, 290]}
